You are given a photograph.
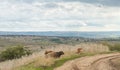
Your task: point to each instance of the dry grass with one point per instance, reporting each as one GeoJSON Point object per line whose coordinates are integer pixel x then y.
{"type": "Point", "coordinates": [12, 64]}
{"type": "Point", "coordinates": [38, 59]}
{"type": "Point", "coordinates": [42, 61]}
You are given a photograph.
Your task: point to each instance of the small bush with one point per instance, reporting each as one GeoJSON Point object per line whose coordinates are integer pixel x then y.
{"type": "Point", "coordinates": [113, 46]}
{"type": "Point", "coordinates": [13, 53]}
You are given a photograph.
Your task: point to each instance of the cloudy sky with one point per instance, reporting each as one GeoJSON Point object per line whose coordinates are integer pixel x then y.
{"type": "Point", "coordinates": [59, 15]}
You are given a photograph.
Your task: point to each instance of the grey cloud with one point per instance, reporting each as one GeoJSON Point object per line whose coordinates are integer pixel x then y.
{"type": "Point", "coordinates": [95, 24]}
{"type": "Point", "coordinates": [101, 2]}
{"type": "Point", "coordinates": [51, 5]}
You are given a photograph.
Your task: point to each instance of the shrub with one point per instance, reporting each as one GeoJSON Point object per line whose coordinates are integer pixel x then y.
{"type": "Point", "coordinates": [115, 47]}
{"type": "Point", "coordinates": [13, 53]}
{"type": "Point", "coordinates": [112, 46]}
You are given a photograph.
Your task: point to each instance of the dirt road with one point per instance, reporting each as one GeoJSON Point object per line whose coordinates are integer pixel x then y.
{"type": "Point", "coordinates": [97, 62]}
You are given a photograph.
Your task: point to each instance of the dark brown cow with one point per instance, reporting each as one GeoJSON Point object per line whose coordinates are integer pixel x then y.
{"type": "Point", "coordinates": [79, 50]}
{"type": "Point", "coordinates": [55, 54]}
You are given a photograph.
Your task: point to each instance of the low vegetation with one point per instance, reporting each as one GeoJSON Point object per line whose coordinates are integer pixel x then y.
{"type": "Point", "coordinates": [113, 46]}
{"type": "Point", "coordinates": [14, 53]}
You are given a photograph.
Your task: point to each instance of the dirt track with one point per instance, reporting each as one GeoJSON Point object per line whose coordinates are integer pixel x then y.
{"type": "Point", "coordinates": [97, 62]}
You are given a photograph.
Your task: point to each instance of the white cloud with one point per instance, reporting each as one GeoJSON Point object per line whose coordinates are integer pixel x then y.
{"type": "Point", "coordinates": [70, 16]}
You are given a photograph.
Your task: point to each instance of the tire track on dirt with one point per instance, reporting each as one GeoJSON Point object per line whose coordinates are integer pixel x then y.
{"type": "Point", "coordinates": [97, 62]}
{"type": "Point", "coordinates": [104, 63]}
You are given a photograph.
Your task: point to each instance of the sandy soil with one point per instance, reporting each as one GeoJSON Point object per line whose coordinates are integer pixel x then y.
{"type": "Point", "coordinates": [97, 62]}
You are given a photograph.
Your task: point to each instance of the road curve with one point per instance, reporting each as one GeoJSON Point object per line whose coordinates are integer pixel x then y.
{"type": "Point", "coordinates": [97, 62]}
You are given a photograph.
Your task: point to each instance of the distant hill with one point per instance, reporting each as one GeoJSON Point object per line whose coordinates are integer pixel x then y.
{"type": "Point", "coordinates": [110, 34]}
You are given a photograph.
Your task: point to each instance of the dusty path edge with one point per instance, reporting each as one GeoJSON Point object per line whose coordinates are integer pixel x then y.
{"type": "Point", "coordinates": [79, 60]}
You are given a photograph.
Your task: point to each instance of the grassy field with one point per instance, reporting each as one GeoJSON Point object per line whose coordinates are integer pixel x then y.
{"type": "Point", "coordinates": [37, 60]}
{"type": "Point", "coordinates": [38, 45]}
{"type": "Point", "coordinates": [58, 62]}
